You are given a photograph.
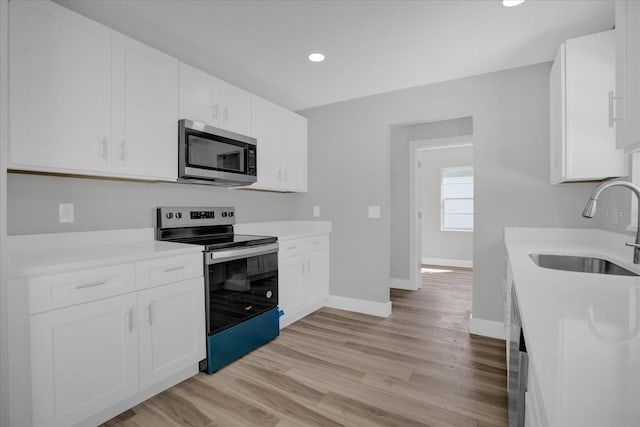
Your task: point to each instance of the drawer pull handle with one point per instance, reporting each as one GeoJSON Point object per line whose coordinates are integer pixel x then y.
{"type": "Point", "coordinates": [91, 285]}
{"type": "Point", "coordinates": [316, 243]}
{"type": "Point", "coordinates": [291, 247]}
{"type": "Point", "coordinates": [249, 307]}
{"type": "Point", "coordinates": [168, 270]}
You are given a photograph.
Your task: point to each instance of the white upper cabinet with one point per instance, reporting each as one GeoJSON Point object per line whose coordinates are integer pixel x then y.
{"type": "Point", "coordinates": [235, 106]}
{"type": "Point", "coordinates": [282, 147]}
{"type": "Point", "coordinates": [199, 96]}
{"type": "Point", "coordinates": [60, 97]}
{"type": "Point", "coordinates": [582, 132]}
{"type": "Point", "coordinates": [145, 110]}
{"type": "Point", "coordinates": [207, 99]}
{"type": "Point", "coordinates": [627, 101]}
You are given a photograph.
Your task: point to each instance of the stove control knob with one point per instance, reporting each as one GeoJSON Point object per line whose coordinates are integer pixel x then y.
{"type": "Point", "coordinates": [179, 215]}
{"type": "Point", "coordinates": [231, 213]}
{"type": "Point", "coordinates": [169, 215]}
{"type": "Point", "coordinates": [269, 294]}
{"type": "Point", "coordinates": [224, 214]}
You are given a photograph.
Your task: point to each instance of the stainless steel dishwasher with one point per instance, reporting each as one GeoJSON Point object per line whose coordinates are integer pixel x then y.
{"type": "Point", "coordinates": [518, 366]}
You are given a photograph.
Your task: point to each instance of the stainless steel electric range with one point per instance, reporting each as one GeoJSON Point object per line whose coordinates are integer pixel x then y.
{"type": "Point", "coordinates": [240, 280]}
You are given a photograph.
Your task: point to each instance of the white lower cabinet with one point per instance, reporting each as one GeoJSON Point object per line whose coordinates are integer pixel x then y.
{"type": "Point", "coordinates": [172, 329]}
{"type": "Point", "coordinates": [303, 277]}
{"type": "Point", "coordinates": [84, 359]}
{"type": "Point", "coordinates": [107, 349]}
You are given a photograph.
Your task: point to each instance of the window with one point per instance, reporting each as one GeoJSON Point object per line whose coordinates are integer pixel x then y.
{"type": "Point", "coordinates": [456, 199]}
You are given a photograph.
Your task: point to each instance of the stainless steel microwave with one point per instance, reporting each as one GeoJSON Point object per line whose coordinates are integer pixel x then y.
{"type": "Point", "coordinates": [215, 156]}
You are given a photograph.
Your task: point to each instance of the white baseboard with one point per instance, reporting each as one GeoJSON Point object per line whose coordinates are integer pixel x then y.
{"type": "Point", "coordinates": [487, 328]}
{"type": "Point", "coordinates": [465, 263]}
{"type": "Point", "coordinates": [380, 309]}
{"type": "Point", "coordinates": [401, 284]}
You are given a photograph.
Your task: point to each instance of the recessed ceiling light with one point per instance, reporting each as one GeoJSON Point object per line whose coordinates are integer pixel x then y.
{"type": "Point", "coordinates": [316, 57]}
{"type": "Point", "coordinates": [511, 3]}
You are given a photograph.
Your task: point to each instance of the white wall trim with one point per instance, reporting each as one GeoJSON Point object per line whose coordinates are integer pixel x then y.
{"type": "Point", "coordinates": [380, 309]}
{"type": "Point", "coordinates": [448, 262]}
{"type": "Point", "coordinates": [486, 328]}
{"type": "Point", "coordinates": [415, 197]}
{"type": "Point", "coordinates": [402, 284]}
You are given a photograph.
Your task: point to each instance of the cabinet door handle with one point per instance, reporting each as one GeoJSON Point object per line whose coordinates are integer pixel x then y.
{"type": "Point", "coordinates": [104, 152]}
{"type": "Point", "coordinates": [225, 114]}
{"type": "Point", "coordinates": [123, 150]}
{"type": "Point", "coordinates": [302, 268]}
{"type": "Point", "coordinates": [168, 270]}
{"type": "Point", "coordinates": [214, 111]}
{"type": "Point", "coordinates": [90, 285]}
{"type": "Point", "coordinates": [612, 118]}
{"type": "Point", "coordinates": [129, 321]}
{"type": "Point", "coordinates": [247, 308]}
{"type": "Point", "coordinates": [286, 175]}
{"type": "Point", "coordinates": [308, 266]}
{"type": "Point", "coordinates": [148, 310]}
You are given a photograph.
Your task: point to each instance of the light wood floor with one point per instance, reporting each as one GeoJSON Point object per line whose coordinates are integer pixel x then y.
{"type": "Point", "coordinates": [418, 367]}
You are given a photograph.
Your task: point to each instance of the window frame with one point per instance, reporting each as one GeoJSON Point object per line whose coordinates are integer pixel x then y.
{"type": "Point", "coordinates": [442, 198]}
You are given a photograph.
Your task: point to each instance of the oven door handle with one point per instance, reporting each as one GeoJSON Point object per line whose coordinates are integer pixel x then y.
{"type": "Point", "coordinates": [215, 257]}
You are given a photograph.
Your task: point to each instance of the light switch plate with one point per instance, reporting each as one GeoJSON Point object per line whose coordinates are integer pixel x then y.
{"type": "Point", "coordinates": [316, 211]}
{"type": "Point", "coordinates": [374, 211]}
{"type": "Point", "coordinates": [65, 212]}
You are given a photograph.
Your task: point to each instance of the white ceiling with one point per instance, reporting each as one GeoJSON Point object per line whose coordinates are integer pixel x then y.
{"type": "Point", "coordinates": [371, 46]}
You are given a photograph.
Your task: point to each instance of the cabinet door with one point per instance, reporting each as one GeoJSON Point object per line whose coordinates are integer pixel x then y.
{"type": "Point", "coordinates": [291, 277]}
{"type": "Point", "coordinates": [627, 74]}
{"type": "Point", "coordinates": [84, 359]}
{"type": "Point", "coordinates": [317, 278]}
{"type": "Point", "coordinates": [199, 95]}
{"type": "Point", "coordinates": [267, 129]}
{"type": "Point", "coordinates": [590, 76]}
{"type": "Point", "coordinates": [60, 97]}
{"type": "Point", "coordinates": [145, 111]}
{"type": "Point", "coordinates": [294, 152]}
{"type": "Point", "coordinates": [235, 106]}
{"type": "Point", "coordinates": [172, 329]}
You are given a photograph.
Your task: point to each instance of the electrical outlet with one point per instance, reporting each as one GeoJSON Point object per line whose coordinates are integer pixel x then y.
{"type": "Point", "coordinates": [316, 211]}
{"type": "Point", "coordinates": [65, 213]}
{"type": "Point", "coordinates": [374, 212]}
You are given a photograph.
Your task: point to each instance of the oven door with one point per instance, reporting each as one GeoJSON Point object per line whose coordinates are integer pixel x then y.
{"type": "Point", "coordinates": [240, 284]}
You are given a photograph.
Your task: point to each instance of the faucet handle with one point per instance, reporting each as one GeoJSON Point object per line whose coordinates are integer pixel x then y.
{"type": "Point", "coordinates": [633, 245]}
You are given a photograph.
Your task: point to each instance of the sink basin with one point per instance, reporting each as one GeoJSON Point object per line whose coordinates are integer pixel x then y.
{"type": "Point", "coordinates": [580, 264]}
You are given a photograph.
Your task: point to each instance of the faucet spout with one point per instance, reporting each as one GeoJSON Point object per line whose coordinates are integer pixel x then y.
{"type": "Point", "coordinates": [590, 209]}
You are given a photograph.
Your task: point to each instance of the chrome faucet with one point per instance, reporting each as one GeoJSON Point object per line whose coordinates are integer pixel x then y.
{"type": "Point", "coordinates": [590, 209]}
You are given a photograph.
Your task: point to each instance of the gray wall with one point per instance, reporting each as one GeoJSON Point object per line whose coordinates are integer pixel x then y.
{"type": "Point", "coordinates": [399, 152]}
{"type": "Point", "coordinates": [457, 245]}
{"type": "Point", "coordinates": [352, 158]}
{"type": "Point", "coordinates": [109, 205]}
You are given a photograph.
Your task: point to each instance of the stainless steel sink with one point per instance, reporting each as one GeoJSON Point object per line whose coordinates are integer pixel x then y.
{"type": "Point", "coordinates": [579, 264]}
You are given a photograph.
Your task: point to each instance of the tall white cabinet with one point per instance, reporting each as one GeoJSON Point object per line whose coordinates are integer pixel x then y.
{"type": "Point", "coordinates": [145, 110]}
{"type": "Point", "coordinates": [282, 147]}
{"type": "Point", "coordinates": [60, 98]}
{"type": "Point", "coordinates": [582, 132]}
{"type": "Point", "coordinates": [627, 101]}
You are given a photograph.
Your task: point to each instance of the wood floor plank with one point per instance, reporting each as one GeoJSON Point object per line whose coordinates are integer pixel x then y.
{"type": "Point", "coordinates": [418, 367]}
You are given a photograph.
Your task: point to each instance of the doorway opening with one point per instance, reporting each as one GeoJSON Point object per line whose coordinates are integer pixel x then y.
{"type": "Point", "coordinates": [440, 206]}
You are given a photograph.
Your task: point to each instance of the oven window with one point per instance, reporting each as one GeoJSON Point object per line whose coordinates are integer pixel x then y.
{"type": "Point", "coordinates": [217, 154]}
{"type": "Point", "coordinates": [241, 289]}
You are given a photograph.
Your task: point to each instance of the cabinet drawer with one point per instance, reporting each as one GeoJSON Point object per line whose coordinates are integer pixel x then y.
{"type": "Point", "coordinates": [61, 290]}
{"type": "Point", "coordinates": [289, 248]}
{"type": "Point", "coordinates": [167, 270]}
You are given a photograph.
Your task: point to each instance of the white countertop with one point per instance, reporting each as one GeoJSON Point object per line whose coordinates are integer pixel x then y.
{"type": "Point", "coordinates": [582, 329]}
{"type": "Point", "coordinates": [285, 230]}
{"type": "Point", "coordinates": [39, 254]}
